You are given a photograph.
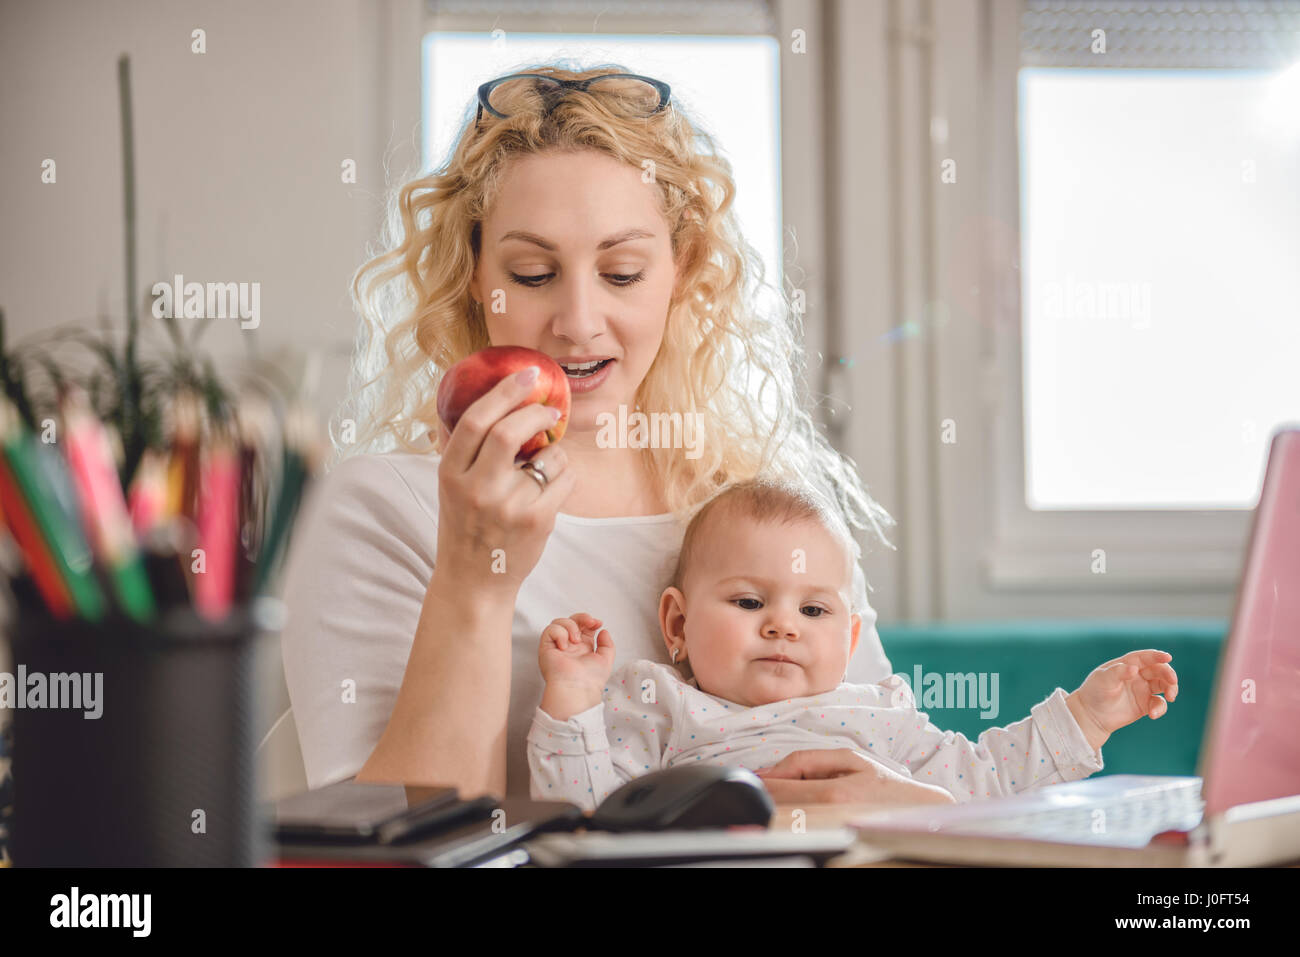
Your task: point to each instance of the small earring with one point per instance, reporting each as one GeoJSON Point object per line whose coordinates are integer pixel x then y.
{"type": "Point", "coordinates": [674, 656]}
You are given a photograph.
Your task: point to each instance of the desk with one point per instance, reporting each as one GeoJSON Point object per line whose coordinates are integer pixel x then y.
{"type": "Point", "coordinates": [861, 854]}
{"type": "Point", "coordinates": [815, 817]}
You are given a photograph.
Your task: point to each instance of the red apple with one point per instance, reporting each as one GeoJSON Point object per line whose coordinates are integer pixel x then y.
{"type": "Point", "coordinates": [476, 374]}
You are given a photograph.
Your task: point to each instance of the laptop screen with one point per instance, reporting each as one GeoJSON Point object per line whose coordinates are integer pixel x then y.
{"type": "Point", "coordinates": [1252, 743]}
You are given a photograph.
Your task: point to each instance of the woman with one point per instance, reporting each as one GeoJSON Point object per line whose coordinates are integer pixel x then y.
{"type": "Point", "coordinates": [589, 222]}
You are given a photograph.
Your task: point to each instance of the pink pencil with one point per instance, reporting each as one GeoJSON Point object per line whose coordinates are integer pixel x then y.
{"type": "Point", "coordinates": [147, 499]}
{"type": "Point", "coordinates": [218, 531]}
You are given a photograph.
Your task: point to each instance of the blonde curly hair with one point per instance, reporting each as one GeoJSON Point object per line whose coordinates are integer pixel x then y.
{"type": "Point", "coordinates": [720, 355]}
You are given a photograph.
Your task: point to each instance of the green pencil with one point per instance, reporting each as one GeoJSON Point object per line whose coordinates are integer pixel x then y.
{"type": "Point", "coordinates": [68, 546]}
{"type": "Point", "coordinates": [299, 460]}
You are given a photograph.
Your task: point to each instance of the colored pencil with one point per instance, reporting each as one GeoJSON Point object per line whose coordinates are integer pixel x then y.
{"type": "Point", "coordinates": [89, 452]}
{"type": "Point", "coordinates": [183, 471]}
{"type": "Point", "coordinates": [147, 500]}
{"type": "Point", "coordinates": [218, 531]}
{"type": "Point", "coordinates": [299, 460]}
{"type": "Point", "coordinates": [36, 552]}
{"type": "Point", "coordinates": [59, 531]}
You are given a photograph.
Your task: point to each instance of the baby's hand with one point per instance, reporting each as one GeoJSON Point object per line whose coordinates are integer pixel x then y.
{"type": "Point", "coordinates": [576, 656]}
{"type": "Point", "coordinates": [1121, 691]}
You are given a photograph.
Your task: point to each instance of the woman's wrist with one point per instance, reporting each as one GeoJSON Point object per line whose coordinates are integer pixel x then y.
{"type": "Point", "coordinates": [478, 597]}
{"type": "Point", "coordinates": [448, 722]}
{"type": "Point", "coordinates": [479, 619]}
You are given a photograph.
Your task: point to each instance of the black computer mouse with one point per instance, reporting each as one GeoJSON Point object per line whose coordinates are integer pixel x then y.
{"type": "Point", "coordinates": [687, 797]}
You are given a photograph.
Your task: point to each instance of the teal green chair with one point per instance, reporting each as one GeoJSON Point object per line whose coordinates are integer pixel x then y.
{"type": "Point", "coordinates": [1031, 658]}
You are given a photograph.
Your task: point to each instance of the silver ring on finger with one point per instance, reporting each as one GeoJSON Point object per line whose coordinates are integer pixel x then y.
{"type": "Point", "coordinates": [535, 470]}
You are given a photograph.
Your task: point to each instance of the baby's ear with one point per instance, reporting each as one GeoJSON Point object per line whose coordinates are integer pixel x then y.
{"type": "Point", "coordinates": [672, 616]}
{"type": "Point", "coordinates": [857, 631]}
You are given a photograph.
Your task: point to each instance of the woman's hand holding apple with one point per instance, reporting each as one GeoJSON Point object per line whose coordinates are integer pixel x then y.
{"type": "Point", "coordinates": [493, 519]}
{"type": "Point", "coordinates": [576, 656]}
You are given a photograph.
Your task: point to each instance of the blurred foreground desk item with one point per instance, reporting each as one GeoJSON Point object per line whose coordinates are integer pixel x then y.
{"type": "Point", "coordinates": [863, 854]}
{"type": "Point", "coordinates": [834, 816]}
{"type": "Point", "coordinates": [808, 836]}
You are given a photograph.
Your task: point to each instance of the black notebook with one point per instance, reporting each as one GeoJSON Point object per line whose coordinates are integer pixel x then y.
{"type": "Point", "coordinates": [350, 822]}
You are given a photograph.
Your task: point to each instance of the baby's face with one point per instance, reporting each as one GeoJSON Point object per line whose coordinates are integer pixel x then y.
{"type": "Point", "coordinates": [757, 593]}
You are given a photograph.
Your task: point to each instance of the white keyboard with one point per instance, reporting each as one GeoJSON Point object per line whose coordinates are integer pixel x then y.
{"type": "Point", "coordinates": [1131, 820]}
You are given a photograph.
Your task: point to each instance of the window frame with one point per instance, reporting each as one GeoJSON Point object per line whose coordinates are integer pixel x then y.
{"type": "Point", "coordinates": [1145, 549]}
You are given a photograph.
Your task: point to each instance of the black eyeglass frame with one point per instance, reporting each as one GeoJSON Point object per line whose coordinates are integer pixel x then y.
{"type": "Point", "coordinates": [485, 91]}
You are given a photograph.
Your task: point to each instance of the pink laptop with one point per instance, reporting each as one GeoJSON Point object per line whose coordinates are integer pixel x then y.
{"type": "Point", "coordinates": [1242, 809]}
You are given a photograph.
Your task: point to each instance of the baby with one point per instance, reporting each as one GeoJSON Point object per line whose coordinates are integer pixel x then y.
{"type": "Point", "coordinates": [761, 610]}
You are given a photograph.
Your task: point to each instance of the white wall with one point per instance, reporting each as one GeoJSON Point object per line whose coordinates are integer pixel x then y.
{"type": "Point", "coordinates": [238, 154]}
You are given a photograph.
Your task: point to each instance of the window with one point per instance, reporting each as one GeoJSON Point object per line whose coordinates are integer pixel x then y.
{"type": "Point", "coordinates": [1148, 156]}
{"type": "Point", "coordinates": [1160, 234]}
